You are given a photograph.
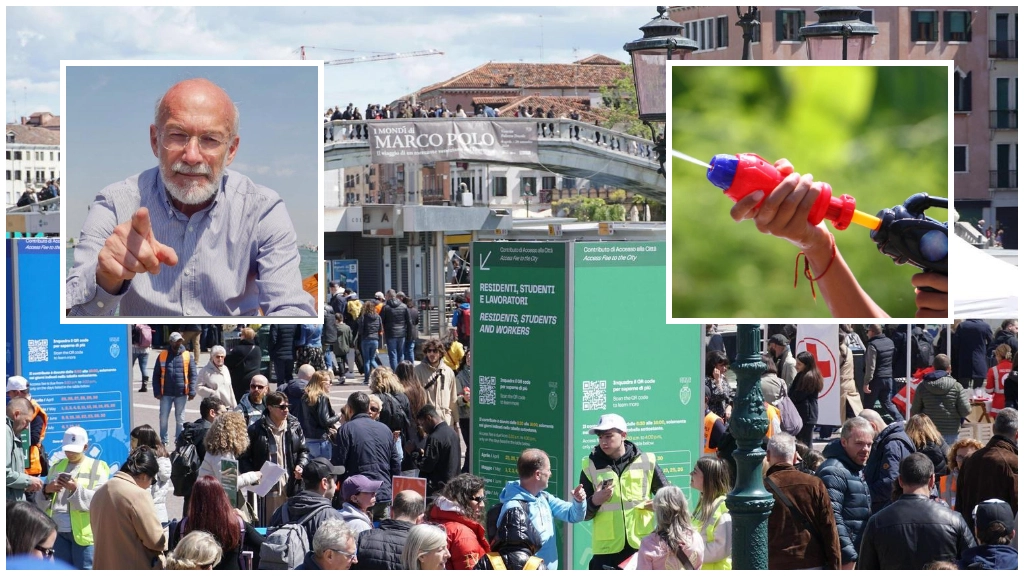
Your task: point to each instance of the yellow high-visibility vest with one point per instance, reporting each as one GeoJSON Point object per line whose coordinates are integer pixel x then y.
{"type": "Point", "coordinates": [88, 477]}
{"type": "Point", "coordinates": [620, 520]}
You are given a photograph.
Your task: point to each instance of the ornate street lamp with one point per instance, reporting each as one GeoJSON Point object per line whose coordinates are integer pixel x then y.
{"type": "Point", "coordinates": [749, 503]}
{"type": "Point", "coordinates": [839, 31]}
{"type": "Point", "coordinates": [662, 41]}
{"type": "Point", "coordinates": [748, 23]}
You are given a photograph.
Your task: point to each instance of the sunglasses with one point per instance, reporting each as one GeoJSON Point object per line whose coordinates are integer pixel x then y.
{"type": "Point", "coordinates": [282, 407]}
{"type": "Point", "coordinates": [479, 499]}
{"type": "Point", "coordinates": [256, 387]}
{"type": "Point", "coordinates": [46, 552]}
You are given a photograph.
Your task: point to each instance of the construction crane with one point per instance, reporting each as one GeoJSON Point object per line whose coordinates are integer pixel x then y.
{"type": "Point", "coordinates": [373, 57]}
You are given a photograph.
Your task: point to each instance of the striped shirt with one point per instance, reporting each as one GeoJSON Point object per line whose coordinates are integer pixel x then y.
{"type": "Point", "coordinates": [237, 257]}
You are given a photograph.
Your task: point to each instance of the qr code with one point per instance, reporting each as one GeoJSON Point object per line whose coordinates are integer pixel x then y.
{"type": "Point", "coordinates": [595, 394]}
{"type": "Point", "coordinates": [39, 350]}
{"type": "Point", "coordinates": [486, 395]}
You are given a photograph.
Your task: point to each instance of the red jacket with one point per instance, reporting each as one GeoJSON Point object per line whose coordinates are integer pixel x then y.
{"type": "Point", "coordinates": [467, 539]}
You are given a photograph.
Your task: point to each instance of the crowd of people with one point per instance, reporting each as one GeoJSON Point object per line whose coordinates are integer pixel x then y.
{"type": "Point", "coordinates": [281, 479]}
{"type": "Point", "coordinates": [51, 189]}
{"type": "Point", "coordinates": [867, 497]}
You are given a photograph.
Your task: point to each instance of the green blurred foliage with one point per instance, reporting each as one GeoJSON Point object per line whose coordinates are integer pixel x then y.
{"type": "Point", "coordinates": [879, 134]}
{"type": "Point", "coordinates": [590, 209]}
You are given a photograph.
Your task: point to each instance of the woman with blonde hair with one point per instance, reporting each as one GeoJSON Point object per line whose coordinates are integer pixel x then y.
{"type": "Point", "coordinates": [395, 410]}
{"type": "Point", "coordinates": [675, 544]}
{"type": "Point", "coordinates": [426, 548]}
{"type": "Point", "coordinates": [316, 415]}
{"type": "Point", "coordinates": [927, 439]}
{"type": "Point", "coordinates": [710, 477]}
{"type": "Point", "coordinates": [228, 438]}
{"type": "Point", "coordinates": [198, 550]}
{"type": "Point", "coordinates": [215, 379]}
{"type": "Point", "coordinates": [960, 451]}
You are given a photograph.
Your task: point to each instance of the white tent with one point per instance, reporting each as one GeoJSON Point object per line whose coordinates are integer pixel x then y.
{"type": "Point", "coordinates": [982, 286]}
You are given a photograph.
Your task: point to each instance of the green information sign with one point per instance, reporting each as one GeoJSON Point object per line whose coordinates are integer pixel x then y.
{"type": "Point", "coordinates": [519, 370]}
{"type": "Point", "coordinates": [628, 361]}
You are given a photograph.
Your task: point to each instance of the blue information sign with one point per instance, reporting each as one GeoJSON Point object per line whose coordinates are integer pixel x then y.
{"type": "Point", "coordinates": [79, 374]}
{"type": "Point", "coordinates": [346, 274]}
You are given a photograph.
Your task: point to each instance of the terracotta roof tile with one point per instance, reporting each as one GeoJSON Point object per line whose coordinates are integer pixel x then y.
{"type": "Point", "coordinates": [599, 59]}
{"type": "Point", "coordinates": [520, 75]}
{"type": "Point", "coordinates": [34, 135]}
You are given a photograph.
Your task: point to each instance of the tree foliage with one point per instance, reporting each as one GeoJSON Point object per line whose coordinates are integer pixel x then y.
{"type": "Point", "coordinates": [620, 100]}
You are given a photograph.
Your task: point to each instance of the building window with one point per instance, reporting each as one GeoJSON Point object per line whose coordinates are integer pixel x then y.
{"type": "Point", "coordinates": [959, 158]}
{"type": "Point", "coordinates": [961, 91]}
{"type": "Point", "coordinates": [500, 186]}
{"type": "Point", "coordinates": [956, 26]}
{"type": "Point", "coordinates": [51, 175]}
{"type": "Point", "coordinates": [17, 174]}
{"type": "Point", "coordinates": [51, 156]}
{"type": "Point", "coordinates": [722, 31]}
{"type": "Point", "coordinates": [8, 174]}
{"type": "Point", "coordinates": [17, 155]}
{"type": "Point", "coordinates": [10, 137]}
{"type": "Point", "coordinates": [40, 176]}
{"type": "Point", "coordinates": [8, 154]}
{"type": "Point", "coordinates": [923, 25]}
{"type": "Point", "coordinates": [528, 186]}
{"type": "Point", "coordinates": [547, 183]}
{"type": "Point", "coordinates": [372, 186]}
{"type": "Point", "coordinates": [788, 24]}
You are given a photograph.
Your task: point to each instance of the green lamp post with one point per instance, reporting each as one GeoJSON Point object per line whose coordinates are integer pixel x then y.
{"type": "Point", "coordinates": [749, 503]}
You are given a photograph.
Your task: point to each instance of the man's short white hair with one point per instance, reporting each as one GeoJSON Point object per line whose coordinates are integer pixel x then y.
{"type": "Point", "coordinates": [332, 535]}
{"type": "Point", "coordinates": [782, 447]}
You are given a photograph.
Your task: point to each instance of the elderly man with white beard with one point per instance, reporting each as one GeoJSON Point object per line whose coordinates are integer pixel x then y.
{"type": "Point", "coordinates": [189, 237]}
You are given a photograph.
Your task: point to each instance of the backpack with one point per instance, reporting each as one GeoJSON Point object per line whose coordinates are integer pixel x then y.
{"type": "Point", "coordinates": [464, 320]}
{"type": "Point", "coordinates": [142, 335]}
{"type": "Point", "coordinates": [495, 511]}
{"type": "Point", "coordinates": [397, 420]}
{"type": "Point", "coordinates": [792, 423]}
{"type": "Point", "coordinates": [923, 352]}
{"type": "Point", "coordinates": [286, 546]}
{"type": "Point", "coordinates": [185, 464]}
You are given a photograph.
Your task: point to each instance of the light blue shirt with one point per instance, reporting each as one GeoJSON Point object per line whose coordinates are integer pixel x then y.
{"type": "Point", "coordinates": [235, 258]}
{"type": "Point", "coordinates": [544, 510]}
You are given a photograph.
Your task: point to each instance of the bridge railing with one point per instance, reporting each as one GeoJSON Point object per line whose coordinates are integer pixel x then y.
{"type": "Point", "coordinates": [354, 132]}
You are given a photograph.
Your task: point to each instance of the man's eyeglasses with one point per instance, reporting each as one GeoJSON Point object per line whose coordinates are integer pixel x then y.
{"type": "Point", "coordinates": [351, 555]}
{"type": "Point", "coordinates": [176, 141]}
{"type": "Point", "coordinates": [46, 552]}
{"type": "Point", "coordinates": [282, 407]}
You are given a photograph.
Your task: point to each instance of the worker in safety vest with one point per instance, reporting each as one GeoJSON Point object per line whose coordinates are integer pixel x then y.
{"type": "Point", "coordinates": [619, 480]}
{"type": "Point", "coordinates": [17, 387]}
{"type": "Point", "coordinates": [67, 495]}
{"type": "Point", "coordinates": [174, 375]}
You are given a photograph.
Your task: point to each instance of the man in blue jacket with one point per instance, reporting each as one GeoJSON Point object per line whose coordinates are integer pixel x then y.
{"type": "Point", "coordinates": [890, 447]}
{"type": "Point", "coordinates": [174, 376]}
{"type": "Point", "coordinates": [367, 447]}
{"type": "Point", "coordinates": [842, 474]}
{"type": "Point", "coordinates": [534, 469]}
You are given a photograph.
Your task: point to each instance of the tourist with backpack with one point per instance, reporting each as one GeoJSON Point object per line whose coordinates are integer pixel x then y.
{"type": "Point", "coordinates": [174, 377]}
{"type": "Point", "coordinates": [210, 511]}
{"type": "Point", "coordinates": [334, 548]}
{"type": "Point", "coordinates": [142, 341]}
{"type": "Point", "coordinates": [462, 320]}
{"type": "Point", "coordinates": [315, 414]}
{"type": "Point", "coordinates": [227, 439]}
{"type": "Point", "coordinates": [190, 448]}
{"type": "Point", "coordinates": [395, 410]}
{"type": "Point", "coordinates": [542, 508]}
{"type": "Point", "coordinates": [308, 510]}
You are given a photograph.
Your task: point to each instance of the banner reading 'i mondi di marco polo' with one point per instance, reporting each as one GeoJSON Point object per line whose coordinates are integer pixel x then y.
{"type": "Point", "coordinates": [438, 140]}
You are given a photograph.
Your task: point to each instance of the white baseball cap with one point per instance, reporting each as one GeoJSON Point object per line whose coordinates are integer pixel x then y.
{"type": "Point", "coordinates": [17, 384]}
{"type": "Point", "coordinates": [75, 439]}
{"type": "Point", "coordinates": [609, 422]}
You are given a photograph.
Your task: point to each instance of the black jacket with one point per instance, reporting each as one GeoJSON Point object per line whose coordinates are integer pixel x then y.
{"type": "Point", "coordinates": [806, 401]}
{"type": "Point", "coordinates": [365, 446]}
{"type": "Point", "coordinates": [851, 501]}
{"type": "Point", "coordinates": [316, 420]}
{"type": "Point", "coordinates": [369, 329]}
{"type": "Point", "coordinates": [440, 461]}
{"type": "Point", "coordinates": [912, 532]}
{"type": "Point", "coordinates": [282, 342]}
{"type": "Point", "coordinates": [308, 563]}
{"type": "Point", "coordinates": [885, 351]}
{"type": "Point", "coordinates": [517, 539]}
{"type": "Point", "coordinates": [302, 504]}
{"type": "Point", "coordinates": [412, 329]}
{"type": "Point", "coordinates": [243, 362]}
{"type": "Point", "coordinates": [396, 318]}
{"type": "Point", "coordinates": [329, 334]}
{"type": "Point", "coordinates": [381, 548]}
{"type": "Point", "coordinates": [970, 347]}
{"type": "Point", "coordinates": [262, 447]}
{"type": "Point", "coordinates": [601, 460]}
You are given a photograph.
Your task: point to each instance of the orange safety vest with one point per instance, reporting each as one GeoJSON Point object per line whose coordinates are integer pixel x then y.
{"type": "Point", "coordinates": [163, 369]}
{"type": "Point", "coordinates": [709, 424]}
{"type": "Point", "coordinates": [35, 466]}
